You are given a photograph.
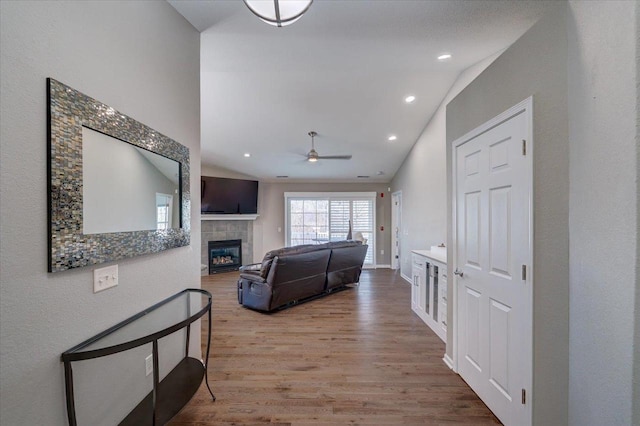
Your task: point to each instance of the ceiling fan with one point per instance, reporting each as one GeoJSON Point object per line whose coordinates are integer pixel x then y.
{"type": "Point", "coordinates": [313, 156]}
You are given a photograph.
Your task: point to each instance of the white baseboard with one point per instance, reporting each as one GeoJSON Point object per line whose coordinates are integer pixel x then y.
{"type": "Point", "coordinates": [447, 360]}
{"type": "Point", "coordinates": [383, 266]}
{"type": "Point", "coordinates": [406, 278]}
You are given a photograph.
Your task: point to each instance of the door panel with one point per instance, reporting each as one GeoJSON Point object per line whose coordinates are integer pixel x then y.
{"type": "Point", "coordinates": [472, 234]}
{"type": "Point", "coordinates": [492, 193]}
{"type": "Point", "coordinates": [472, 327]}
{"type": "Point", "coordinates": [500, 231]}
{"type": "Point", "coordinates": [499, 344]}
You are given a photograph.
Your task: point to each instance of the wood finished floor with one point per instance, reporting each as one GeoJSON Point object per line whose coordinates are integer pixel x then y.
{"type": "Point", "coordinates": [356, 357]}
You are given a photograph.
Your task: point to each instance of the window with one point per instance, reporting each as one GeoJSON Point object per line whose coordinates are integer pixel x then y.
{"type": "Point", "coordinates": [316, 218]}
{"type": "Point", "coordinates": [164, 206]}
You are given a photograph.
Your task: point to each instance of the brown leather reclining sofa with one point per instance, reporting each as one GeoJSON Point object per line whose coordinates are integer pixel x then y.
{"type": "Point", "coordinates": [293, 274]}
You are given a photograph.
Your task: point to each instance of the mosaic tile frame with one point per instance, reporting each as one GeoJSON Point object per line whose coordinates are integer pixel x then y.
{"type": "Point", "coordinates": [67, 111]}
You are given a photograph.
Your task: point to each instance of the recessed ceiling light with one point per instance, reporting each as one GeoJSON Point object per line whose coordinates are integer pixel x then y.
{"type": "Point", "coordinates": [409, 99]}
{"type": "Point", "coordinates": [246, 154]}
{"type": "Point", "coordinates": [444, 57]}
{"type": "Point", "coordinates": [392, 138]}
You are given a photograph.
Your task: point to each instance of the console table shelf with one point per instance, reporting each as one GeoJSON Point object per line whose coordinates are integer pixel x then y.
{"type": "Point", "coordinates": [172, 393]}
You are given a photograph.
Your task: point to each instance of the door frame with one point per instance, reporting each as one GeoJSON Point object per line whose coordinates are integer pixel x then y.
{"type": "Point", "coordinates": [396, 220]}
{"type": "Point", "coordinates": [524, 107]}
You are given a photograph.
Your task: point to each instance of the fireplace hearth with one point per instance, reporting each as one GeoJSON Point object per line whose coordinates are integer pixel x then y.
{"type": "Point", "coordinates": [224, 256]}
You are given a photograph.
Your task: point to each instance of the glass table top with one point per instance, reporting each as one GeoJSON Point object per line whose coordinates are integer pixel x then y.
{"type": "Point", "coordinates": [186, 306]}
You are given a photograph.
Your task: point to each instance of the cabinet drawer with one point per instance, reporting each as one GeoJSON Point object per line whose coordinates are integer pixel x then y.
{"type": "Point", "coordinates": [418, 260]}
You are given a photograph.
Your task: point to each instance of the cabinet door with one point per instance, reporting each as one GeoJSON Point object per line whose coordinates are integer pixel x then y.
{"type": "Point", "coordinates": [443, 303]}
{"type": "Point", "coordinates": [418, 290]}
{"type": "Point", "coordinates": [433, 295]}
{"type": "Point", "coordinates": [422, 291]}
{"type": "Point", "coordinates": [415, 291]}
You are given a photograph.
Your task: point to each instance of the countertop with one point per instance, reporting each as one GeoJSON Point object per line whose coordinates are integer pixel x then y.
{"type": "Point", "coordinates": [437, 256]}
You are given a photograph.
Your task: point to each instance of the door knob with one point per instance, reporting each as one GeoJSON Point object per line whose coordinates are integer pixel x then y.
{"type": "Point", "coordinates": [459, 273]}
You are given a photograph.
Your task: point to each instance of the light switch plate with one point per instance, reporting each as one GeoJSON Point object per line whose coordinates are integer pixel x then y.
{"type": "Point", "coordinates": [105, 278]}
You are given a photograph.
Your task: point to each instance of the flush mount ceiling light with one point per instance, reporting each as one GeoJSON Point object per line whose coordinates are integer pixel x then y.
{"type": "Point", "coordinates": [409, 99]}
{"type": "Point", "coordinates": [444, 57]}
{"type": "Point", "coordinates": [246, 154]}
{"type": "Point", "coordinates": [278, 13]}
{"type": "Point", "coordinates": [392, 138]}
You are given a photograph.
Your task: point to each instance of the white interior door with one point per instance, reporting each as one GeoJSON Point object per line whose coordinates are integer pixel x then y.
{"type": "Point", "coordinates": [396, 224]}
{"type": "Point", "coordinates": [493, 252]}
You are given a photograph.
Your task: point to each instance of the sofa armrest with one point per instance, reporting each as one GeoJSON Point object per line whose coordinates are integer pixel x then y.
{"type": "Point", "coordinates": [253, 276]}
{"type": "Point", "coordinates": [254, 292]}
{"type": "Point", "coordinates": [252, 267]}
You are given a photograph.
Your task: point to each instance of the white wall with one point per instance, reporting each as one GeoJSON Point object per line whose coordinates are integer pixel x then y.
{"type": "Point", "coordinates": [603, 209]}
{"type": "Point", "coordinates": [536, 64]}
{"type": "Point", "coordinates": [141, 58]}
{"type": "Point", "coordinates": [422, 179]}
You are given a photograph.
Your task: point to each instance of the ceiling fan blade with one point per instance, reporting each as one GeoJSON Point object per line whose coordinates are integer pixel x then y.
{"type": "Point", "coordinates": [334, 157]}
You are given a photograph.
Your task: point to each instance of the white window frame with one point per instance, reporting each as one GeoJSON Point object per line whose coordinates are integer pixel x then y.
{"type": "Point", "coordinates": [370, 196]}
{"type": "Point", "coordinates": [169, 205]}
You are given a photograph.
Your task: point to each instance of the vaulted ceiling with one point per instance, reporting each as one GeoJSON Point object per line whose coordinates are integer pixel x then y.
{"type": "Point", "coordinates": [342, 70]}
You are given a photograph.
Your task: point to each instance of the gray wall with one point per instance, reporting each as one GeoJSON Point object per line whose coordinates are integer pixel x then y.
{"type": "Point", "coordinates": [141, 58]}
{"type": "Point", "coordinates": [636, 353]}
{"type": "Point", "coordinates": [603, 208]}
{"type": "Point", "coordinates": [422, 179]}
{"type": "Point", "coordinates": [536, 64]}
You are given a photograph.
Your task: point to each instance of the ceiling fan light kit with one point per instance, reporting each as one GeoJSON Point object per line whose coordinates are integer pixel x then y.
{"type": "Point", "coordinates": [278, 13]}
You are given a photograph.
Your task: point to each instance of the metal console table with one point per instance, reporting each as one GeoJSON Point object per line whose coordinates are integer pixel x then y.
{"type": "Point", "coordinates": [176, 389]}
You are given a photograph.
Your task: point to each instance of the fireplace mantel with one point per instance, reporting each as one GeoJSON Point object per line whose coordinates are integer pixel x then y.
{"type": "Point", "coordinates": [228, 216]}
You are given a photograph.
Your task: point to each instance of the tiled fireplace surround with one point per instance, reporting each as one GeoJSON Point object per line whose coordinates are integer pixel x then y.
{"type": "Point", "coordinates": [215, 230]}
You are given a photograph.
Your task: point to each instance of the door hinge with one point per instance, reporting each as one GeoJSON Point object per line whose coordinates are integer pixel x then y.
{"type": "Point", "coordinates": [524, 272]}
{"type": "Point", "coordinates": [524, 396]}
{"type": "Point", "coordinates": [524, 147]}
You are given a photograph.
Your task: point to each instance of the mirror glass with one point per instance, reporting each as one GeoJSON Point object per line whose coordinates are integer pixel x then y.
{"type": "Point", "coordinates": [127, 188]}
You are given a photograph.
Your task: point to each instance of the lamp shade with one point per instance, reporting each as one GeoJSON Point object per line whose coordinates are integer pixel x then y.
{"type": "Point", "coordinates": [278, 12]}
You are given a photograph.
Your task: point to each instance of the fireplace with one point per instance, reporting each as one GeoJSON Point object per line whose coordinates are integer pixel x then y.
{"type": "Point", "coordinates": [225, 256]}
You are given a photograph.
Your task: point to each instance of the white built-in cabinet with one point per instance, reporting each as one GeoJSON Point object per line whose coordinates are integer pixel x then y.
{"type": "Point", "coordinates": [429, 288]}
